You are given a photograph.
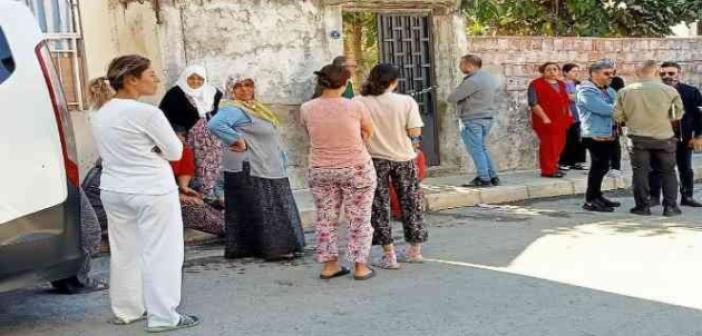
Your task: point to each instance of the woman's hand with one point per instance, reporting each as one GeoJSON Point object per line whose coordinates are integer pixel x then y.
{"type": "Point", "coordinates": [238, 146]}
{"type": "Point", "coordinates": [190, 200]}
{"type": "Point", "coordinates": [190, 192]}
{"type": "Point", "coordinates": [546, 120]}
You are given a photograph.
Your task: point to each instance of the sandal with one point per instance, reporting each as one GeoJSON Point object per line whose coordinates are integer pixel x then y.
{"type": "Point", "coordinates": [365, 277]}
{"type": "Point", "coordinates": [388, 262]}
{"type": "Point", "coordinates": [341, 272]}
{"type": "Point", "coordinates": [118, 321]}
{"type": "Point", "coordinates": [186, 321]}
{"type": "Point", "coordinates": [417, 259]}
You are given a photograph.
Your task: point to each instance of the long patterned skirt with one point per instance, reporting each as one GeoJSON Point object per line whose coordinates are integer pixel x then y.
{"type": "Point", "coordinates": [208, 158]}
{"type": "Point", "coordinates": [262, 219]}
{"type": "Point", "coordinates": [204, 217]}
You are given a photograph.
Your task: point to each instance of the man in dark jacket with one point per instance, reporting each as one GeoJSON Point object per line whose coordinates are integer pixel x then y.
{"type": "Point", "coordinates": [689, 133]}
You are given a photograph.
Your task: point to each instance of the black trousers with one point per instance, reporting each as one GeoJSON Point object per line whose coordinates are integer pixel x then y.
{"type": "Point", "coordinates": [404, 179]}
{"type": "Point", "coordinates": [600, 157]}
{"type": "Point", "coordinates": [616, 158]}
{"type": "Point", "coordinates": [655, 155]}
{"type": "Point", "coordinates": [683, 158]}
{"type": "Point", "coordinates": [574, 150]}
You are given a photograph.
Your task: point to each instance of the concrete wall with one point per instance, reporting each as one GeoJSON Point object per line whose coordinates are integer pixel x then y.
{"type": "Point", "coordinates": [111, 28]}
{"type": "Point", "coordinates": [516, 59]}
{"type": "Point", "coordinates": [281, 43]}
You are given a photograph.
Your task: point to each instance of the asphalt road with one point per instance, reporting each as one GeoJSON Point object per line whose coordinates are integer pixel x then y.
{"type": "Point", "coordinates": [538, 268]}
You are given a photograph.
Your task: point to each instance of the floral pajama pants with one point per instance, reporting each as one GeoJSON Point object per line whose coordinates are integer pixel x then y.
{"type": "Point", "coordinates": [208, 158]}
{"type": "Point", "coordinates": [352, 190]}
{"type": "Point", "coordinates": [203, 218]}
{"type": "Point", "coordinates": [404, 178]}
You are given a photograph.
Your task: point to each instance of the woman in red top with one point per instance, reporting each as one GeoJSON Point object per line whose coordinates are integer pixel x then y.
{"type": "Point", "coordinates": [197, 214]}
{"type": "Point", "coordinates": [551, 117]}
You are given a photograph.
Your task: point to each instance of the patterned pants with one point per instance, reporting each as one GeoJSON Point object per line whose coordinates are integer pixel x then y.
{"type": "Point", "coordinates": [203, 218]}
{"type": "Point", "coordinates": [208, 158]}
{"type": "Point", "coordinates": [406, 183]}
{"type": "Point", "coordinates": [352, 189]}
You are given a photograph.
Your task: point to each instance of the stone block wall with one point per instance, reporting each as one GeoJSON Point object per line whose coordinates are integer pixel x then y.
{"type": "Point", "coordinates": [516, 60]}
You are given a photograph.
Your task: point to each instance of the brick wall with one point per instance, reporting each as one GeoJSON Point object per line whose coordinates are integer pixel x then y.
{"type": "Point", "coordinates": [516, 60]}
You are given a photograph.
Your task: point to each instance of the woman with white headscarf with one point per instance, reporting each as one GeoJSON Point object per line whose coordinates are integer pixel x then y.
{"type": "Point", "coordinates": [189, 105]}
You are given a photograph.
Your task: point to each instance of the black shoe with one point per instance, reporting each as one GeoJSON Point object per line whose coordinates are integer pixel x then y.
{"type": "Point", "coordinates": [609, 203]}
{"type": "Point", "coordinates": [671, 211]}
{"type": "Point", "coordinates": [495, 181]}
{"type": "Point", "coordinates": [477, 183]}
{"type": "Point", "coordinates": [654, 202]}
{"type": "Point", "coordinates": [691, 202]}
{"type": "Point", "coordinates": [558, 174]}
{"type": "Point", "coordinates": [597, 206]}
{"type": "Point", "coordinates": [641, 211]}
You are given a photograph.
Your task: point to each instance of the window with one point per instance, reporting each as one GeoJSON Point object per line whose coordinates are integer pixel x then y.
{"type": "Point", "coordinates": [7, 63]}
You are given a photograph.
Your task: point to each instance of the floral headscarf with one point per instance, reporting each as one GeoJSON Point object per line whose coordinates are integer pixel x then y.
{"type": "Point", "coordinates": [253, 107]}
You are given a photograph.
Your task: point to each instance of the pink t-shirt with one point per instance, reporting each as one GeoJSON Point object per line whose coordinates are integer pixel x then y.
{"type": "Point", "coordinates": [334, 127]}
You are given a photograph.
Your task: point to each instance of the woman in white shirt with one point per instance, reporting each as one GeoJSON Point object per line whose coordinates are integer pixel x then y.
{"type": "Point", "coordinates": [140, 196]}
{"type": "Point", "coordinates": [398, 127]}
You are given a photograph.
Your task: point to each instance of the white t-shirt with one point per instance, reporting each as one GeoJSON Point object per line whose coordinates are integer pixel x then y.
{"type": "Point", "coordinates": [126, 132]}
{"type": "Point", "coordinates": [392, 114]}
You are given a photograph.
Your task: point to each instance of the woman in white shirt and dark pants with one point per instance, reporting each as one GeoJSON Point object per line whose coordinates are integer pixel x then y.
{"type": "Point", "coordinates": [140, 196]}
{"type": "Point", "coordinates": [398, 125]}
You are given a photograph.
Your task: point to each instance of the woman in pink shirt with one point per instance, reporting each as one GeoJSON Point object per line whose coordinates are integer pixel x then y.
{"type": "Point", "coordinates": [341, 173]}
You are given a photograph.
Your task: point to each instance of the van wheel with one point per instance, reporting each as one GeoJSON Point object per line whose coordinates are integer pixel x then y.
{"type": "Point", "coordinates": [67, 286]}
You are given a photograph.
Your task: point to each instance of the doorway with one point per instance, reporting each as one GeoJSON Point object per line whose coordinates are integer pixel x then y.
{"type": "Point", "coordinates": [404, 40]}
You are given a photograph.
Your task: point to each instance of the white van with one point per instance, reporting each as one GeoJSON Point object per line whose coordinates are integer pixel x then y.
{"type": "Point", "coordinates": [39, 195]}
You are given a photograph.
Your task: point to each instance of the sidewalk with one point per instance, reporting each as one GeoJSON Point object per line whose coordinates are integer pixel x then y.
{"type": "Point", "coordinates": [445, 192]}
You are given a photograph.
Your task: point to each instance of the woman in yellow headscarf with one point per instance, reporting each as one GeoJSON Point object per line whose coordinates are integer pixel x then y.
{"type": "Point", "coordinates": [262, 219]}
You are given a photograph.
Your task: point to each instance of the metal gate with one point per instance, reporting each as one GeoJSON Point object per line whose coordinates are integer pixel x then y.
{"type": "Point", "coordinates": [60, 23]}
{"type": "Point", "coordinates": [405, 41]}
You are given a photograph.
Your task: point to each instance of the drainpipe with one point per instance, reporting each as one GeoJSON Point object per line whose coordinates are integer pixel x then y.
{"type": "Point", "coordinates": [78, 31]}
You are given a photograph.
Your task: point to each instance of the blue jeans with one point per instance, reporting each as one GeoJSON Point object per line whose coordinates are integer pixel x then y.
{"type": "Point", "coordinates": [474, 133]}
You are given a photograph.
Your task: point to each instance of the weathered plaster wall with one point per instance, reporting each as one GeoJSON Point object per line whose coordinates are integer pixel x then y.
{"type": "Point", "coordinates": [111, 29]}
{"type": "Point", "coordinates": [516, 59]}
{"type": "Point", "coordinates": [449, 45]}
{"type": "Point", "coordinates": [281, 43]}
{"type": "Point", "coordinates": [278, 43]}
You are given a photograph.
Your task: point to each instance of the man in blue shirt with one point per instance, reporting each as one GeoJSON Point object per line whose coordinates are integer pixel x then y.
{"type": "Point", "coordinates": [595, 102]}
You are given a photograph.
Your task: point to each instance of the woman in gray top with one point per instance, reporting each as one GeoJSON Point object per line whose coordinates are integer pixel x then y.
{"type": "Point", "coordinates": [262, 219]}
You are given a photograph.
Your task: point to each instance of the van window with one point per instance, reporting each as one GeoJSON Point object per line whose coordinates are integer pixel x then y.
{"type": "Point", "coordinates": [7, 63]}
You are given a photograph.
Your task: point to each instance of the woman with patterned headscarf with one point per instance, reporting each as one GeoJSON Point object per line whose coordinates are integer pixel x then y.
{"type": "Point", "coordinates": [189, 105]}
{"type": "Point", "coordinates": [262, 219]}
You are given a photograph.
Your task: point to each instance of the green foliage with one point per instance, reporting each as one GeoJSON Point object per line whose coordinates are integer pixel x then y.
{"type": "Point", "coordinates": [361, 40]}
{"type": "Point", "coordinates": [606, 18]}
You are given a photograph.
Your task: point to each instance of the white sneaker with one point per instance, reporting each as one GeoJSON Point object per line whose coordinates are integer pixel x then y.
{"type": "Point", "coordinates": [614, 173]}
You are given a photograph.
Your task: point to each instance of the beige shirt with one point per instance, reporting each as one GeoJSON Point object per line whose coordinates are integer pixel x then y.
{"type": "Point", "coordinates": [392, 114]}
{"type": "Point", "coordinates": [647, 108]}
